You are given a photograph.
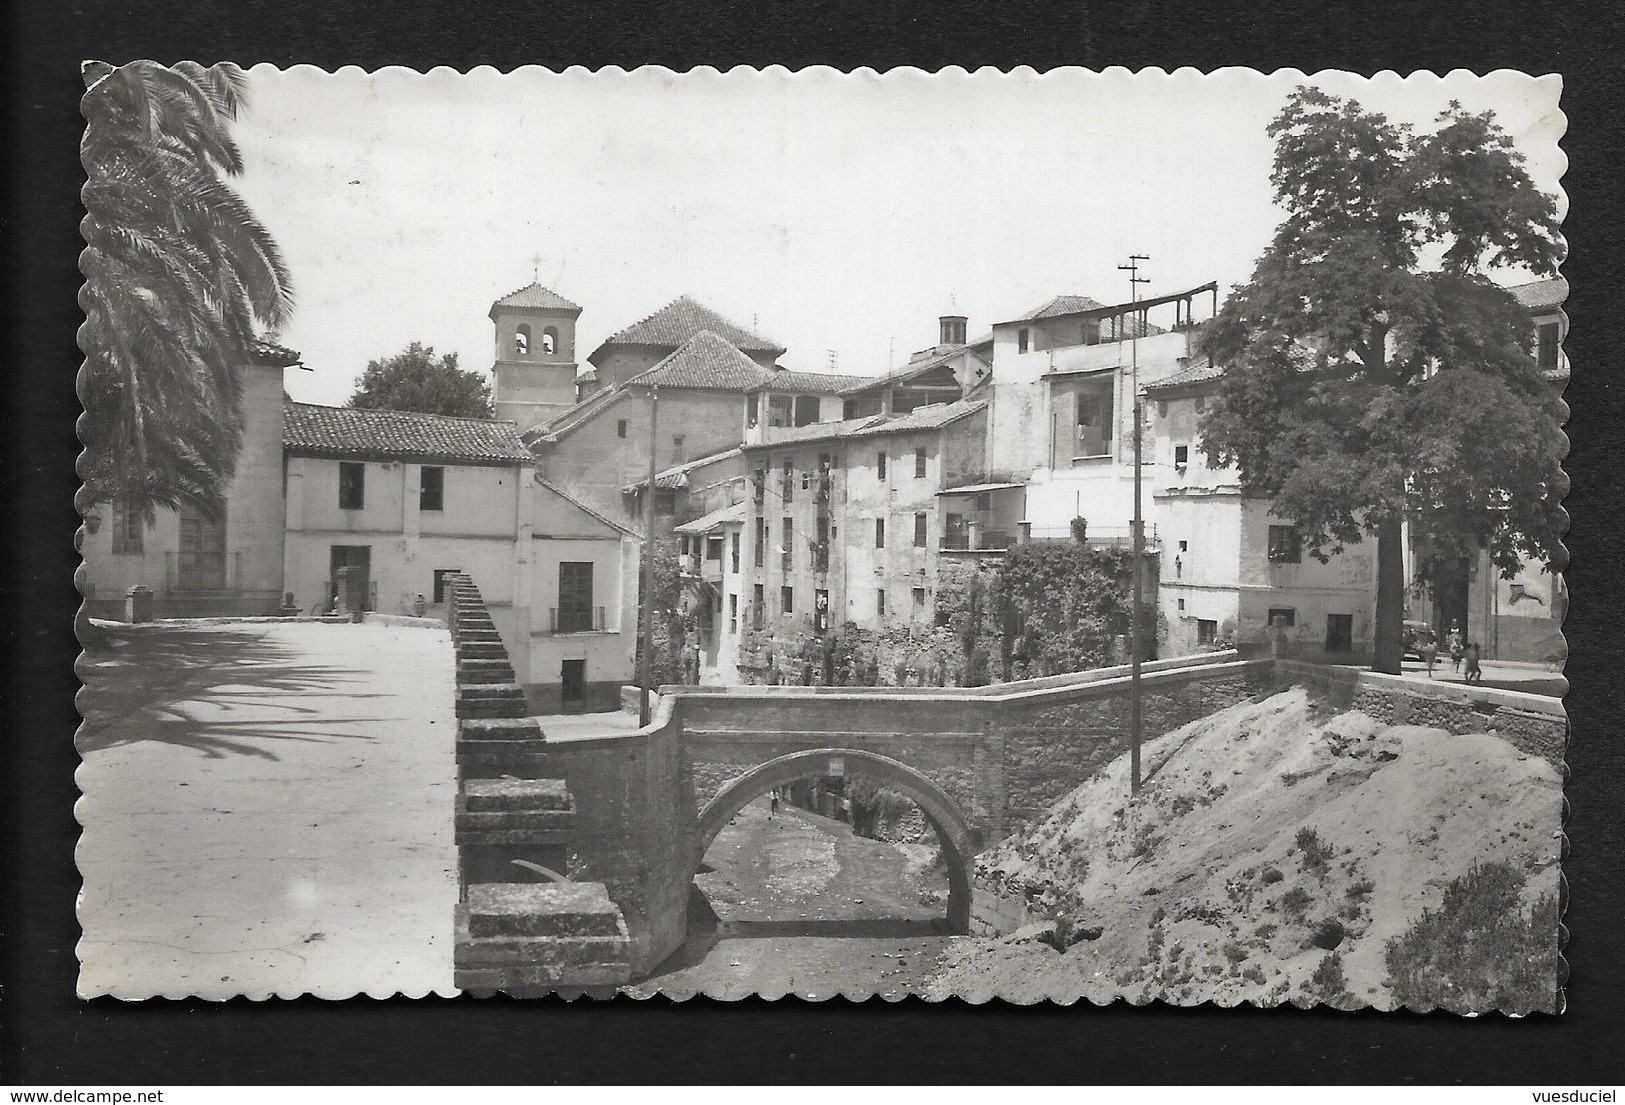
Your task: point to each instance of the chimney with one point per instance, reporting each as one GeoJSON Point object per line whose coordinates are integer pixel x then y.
{"type": "Point", "coordinates": [952, 329]}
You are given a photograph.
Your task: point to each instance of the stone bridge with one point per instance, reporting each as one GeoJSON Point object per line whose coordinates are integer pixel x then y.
{"type": "Point", "coordinates": [630, 814]}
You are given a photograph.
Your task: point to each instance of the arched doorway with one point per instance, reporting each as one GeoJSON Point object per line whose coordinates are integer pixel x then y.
{"type": "Point", "coordinates": [958, 839]}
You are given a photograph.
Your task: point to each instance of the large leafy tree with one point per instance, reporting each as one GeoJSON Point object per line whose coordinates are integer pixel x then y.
{"type": "Point", "coordinates": [180, 277]}
{"type": "Point", "coordinates": [1376, 373]}
{"type": "Point", "coordinates": [416, 380]}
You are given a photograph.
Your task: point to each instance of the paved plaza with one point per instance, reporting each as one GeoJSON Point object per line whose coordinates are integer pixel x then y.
{"type": "Point", "coordinates": [267, 810]}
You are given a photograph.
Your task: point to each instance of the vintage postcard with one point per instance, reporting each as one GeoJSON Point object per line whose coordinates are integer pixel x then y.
{"type": "Point", "coordinates": [1079, 536]}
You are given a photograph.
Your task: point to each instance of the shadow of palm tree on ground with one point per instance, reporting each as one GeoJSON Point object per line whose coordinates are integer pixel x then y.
{"type": "Point", "coordinates": [140, 686]}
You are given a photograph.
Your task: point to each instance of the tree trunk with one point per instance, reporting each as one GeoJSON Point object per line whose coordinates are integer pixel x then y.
{"type": "Point", "coordinates": [1388, 646]}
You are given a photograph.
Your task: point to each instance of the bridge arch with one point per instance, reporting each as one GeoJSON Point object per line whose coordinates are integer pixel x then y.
{"type": "Point", "coordinates": [959, 840]}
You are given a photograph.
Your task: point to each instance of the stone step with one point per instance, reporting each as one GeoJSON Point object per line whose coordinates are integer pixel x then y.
{"type": "Point", "coordinates": [478, 672]}
{"type": "Point", "coordinates": [474, 708]}
{"type": "Point", "coordinates": [522, 828]}
{"type": "Point", "coordinates": [481, 650]}
{"type": "Point", "coordinates": [476, 625]}
{"type": "Point", "coordinates": [475, 636]}
{"type": "Point", "coordinates": [519, 912]}
{"type": "Point", "coordinates": [498, 729]}
{"type": "Point", "coordinates": [484, 795]}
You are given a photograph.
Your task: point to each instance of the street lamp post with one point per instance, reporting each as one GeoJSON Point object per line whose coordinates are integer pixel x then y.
{"type": "Point", "coordinates": [1135, 649]}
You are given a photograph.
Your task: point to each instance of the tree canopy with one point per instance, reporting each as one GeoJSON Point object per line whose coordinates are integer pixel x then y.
{"type": "Point", "coordinates": [179, 279]}
{"type": "Point", "coordinates": [416, 380]}
{"type": "Point", "coordinates": [1375, 372]}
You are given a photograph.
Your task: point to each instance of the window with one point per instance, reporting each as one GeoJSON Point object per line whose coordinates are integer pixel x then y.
{"type": "Point", "coordinates": [1162, 408]}
{"type": "Point", "coordinates": [1184, 546]}
{"type": "Point", "coordinates": [919, 531]}
{"type": "Point", "coordinates": [432, 488]}
{"type": "Point", "coordinates": [919, 600]}
{"type": "Point", "coordinates": [352, 485]}
{"type": "Point", "coordinates": [919, 463]}
{"type": "Point", "coordinates": [550, 340]}
{"type": "Point", "coordinates": [1182, 604]}
{"type": "Point", "coordinates": [128, 530]}
{"type": "Point", "coordinates": [786, 543]}
{"type": "Point", "coordinates": [440, 575]}
{"type": "Point", "coordinates": [575, 597]}
{"type": "Point", "coordinates": [1201, 402]}
{"type": "Point", "coordinates": [1182, 455]}
{"type": "Point", "coordinates": [757, 602]}
{"type": "Point", "coordinates": [1339, 632]}
{"type": "Point", "coordinates": [677, 455]}
{"type": "Point", "coordinates": [733, 553]}
{"type": "Point", "coordinates": [880, 533]}
{"type": "Point", "coordinates": [665, 500]}
{"type": "Point", "coordinates": [713, 548]}
{"type": "Point", "coordinates": [1548, 337]}
{"type": "Point", "coordinates": [789, 489]}
{"type": "Point", "coordinates": [806, 409]}
{"type": "Point", "coordinates": [201, 561]}
{"type": "Point", "coordinates": [1285, 546]}
{"type": "Point", "coordinates": [779, 410]}
{"type": "Point", "coordinates": [880, 465]}
{"type": "Point", "coordinates": [521, 341]}
{"type": "Point", "coordinates": [620, 428]}
{"type": "Point", "coordinates": [1283, 615]}
{"type": "Point", "coordinates": [1023, 339]}
{"type": "Point", "coordinates": [880, 602]}
{"type": "Point", "coordinates": [758, 485]}
{"type": "Point", "coordinates": [573, 680]}
{"type": "Point", "coordinates": [759, 539]}
{"type": "Point", "coordinates": [787, 599]}
{"type": "Point", "coordinates": [1094, 422]}
{"type": "Point", "coordinates": [1207, 631]}
{"type": "Point", "coordinates": [733, 613]}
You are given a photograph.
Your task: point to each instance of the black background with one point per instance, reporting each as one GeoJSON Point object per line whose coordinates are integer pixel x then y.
{"type": "Point", "coordinates": [48, 1037]}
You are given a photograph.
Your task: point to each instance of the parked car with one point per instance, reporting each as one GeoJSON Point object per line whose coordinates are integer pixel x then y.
{"type": "Point", "coordinates": [1414, 636]}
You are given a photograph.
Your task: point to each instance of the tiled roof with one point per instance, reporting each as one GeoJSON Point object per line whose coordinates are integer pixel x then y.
{"type": "Point", "coordinates": [826, 383]}
{"type": "Point", "coordinates": [1195, 374]}
{"type": "Point", "coordinates": [718, 517]}
{"type": "Point", "coordinates": [931, 417]}
{"type": "Point", "coordinates": [935, 358]}
{"type": "Point", "coordinates": [677, 475]}
{"type": "Point", "coordinates": [705, 360]}
{"type": "Point", "coordinates": [270, 353]}
{"type": "Point", "coordinates": [578, 414]}
{"type": "Point", "coordinates": [679, 321]}
{"type": "Point", "coordinates": [346, 432]}
{"type": "Point", "coordinates": [534, 295]}
{"type": "Point", "coordinates": [1538, 295]}
{"type": "Point", "coordinates": [1061, 305]}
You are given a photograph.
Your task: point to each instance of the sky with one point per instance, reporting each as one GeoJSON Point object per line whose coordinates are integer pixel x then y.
{"type": "Point", "coordinates": [836, 214]}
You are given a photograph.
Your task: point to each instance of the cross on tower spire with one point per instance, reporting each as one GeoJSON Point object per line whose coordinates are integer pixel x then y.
{"type": "Point", "coordinates": [536, 267]}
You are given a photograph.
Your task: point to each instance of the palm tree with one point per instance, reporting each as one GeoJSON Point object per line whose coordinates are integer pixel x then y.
{"type": "Point", "coordinates": [179, 279]}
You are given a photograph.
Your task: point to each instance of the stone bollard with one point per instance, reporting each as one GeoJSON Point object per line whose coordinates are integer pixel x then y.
{"type": "Point", "coordinates": [138, 605]}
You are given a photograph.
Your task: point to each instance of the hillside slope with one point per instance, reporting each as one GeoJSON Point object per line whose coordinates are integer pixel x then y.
{"type": "Point", "coordinates": [1271, 845]}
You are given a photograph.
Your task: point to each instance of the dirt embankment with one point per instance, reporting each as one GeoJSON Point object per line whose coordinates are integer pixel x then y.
{"type": "Point", "coordinates": [1272, 854]}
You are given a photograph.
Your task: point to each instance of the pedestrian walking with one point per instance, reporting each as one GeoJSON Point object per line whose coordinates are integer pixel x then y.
{"type": "Point", "coordinates": [1430, 653]}
{"type": "Point", "coordinates": [1455, 643]}
{"type": "Point", "coordinates": [773, 804]}
{"type": "Point", "coordinates": [1475, 673]}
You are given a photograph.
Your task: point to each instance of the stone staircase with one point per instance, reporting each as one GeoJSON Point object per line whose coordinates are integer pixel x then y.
{"type": "Point", "coordinates": [518, 929]}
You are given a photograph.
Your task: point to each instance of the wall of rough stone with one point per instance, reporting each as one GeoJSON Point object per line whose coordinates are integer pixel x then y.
{"type": "Point", "coordinates": [1534, 724]}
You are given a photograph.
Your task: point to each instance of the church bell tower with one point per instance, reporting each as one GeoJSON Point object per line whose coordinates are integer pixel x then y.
{"type": "Point", "coordinates": [535, 367]}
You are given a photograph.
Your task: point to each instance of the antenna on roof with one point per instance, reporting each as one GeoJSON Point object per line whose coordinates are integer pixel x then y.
{"type": "Point", "coordinates": [535, 268]}
{"type": "Point", "coordinates": [834, 359]}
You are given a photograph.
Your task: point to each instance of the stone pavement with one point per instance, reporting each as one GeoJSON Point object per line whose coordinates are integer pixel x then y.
{"type": "Point", "coordinates": [267, 810]}
{"type": "Point", "coordinates": [1506, 675]}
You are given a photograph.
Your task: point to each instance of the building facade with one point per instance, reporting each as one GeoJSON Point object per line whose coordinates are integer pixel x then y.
{"type": "Point", "coordinates": [195, 565]}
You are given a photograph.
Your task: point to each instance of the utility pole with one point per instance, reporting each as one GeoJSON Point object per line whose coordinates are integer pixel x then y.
{"type": "Point", "coordinates": [646, 657]}
{"type": "Point", "coordinates": [1135, 648]}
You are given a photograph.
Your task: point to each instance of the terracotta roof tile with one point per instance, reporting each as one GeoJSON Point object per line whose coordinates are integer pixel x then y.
{"type": "Point", "coordinates": [1540, 295]}
{"type": "Point", "coordinates": [534, 295]}
{"type": "Point", "coordinates": [705, 360]}
{"type": "Point", "coordinates": [1195, 374]}
{"type": "Point", "coordinates": [1061, 305]}
{"type": "Point", "coordinates": [680, 320]}
{"type": "Point", "coordinates": [826, 383]}
{"type": "Point", "coordinates": [269, 352]}
{"type": "Point", "coordinates": [345, 432]}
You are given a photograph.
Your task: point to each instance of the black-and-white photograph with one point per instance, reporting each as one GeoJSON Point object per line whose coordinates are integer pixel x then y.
{"type": "Point", "coordinates": [986, 535]}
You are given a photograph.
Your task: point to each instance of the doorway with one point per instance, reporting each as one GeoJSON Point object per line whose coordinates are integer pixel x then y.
{"type": "Point", "coordinates": [573, 682]}
{"type": "Point", "coordinates": [350, 556]}
{"type": "Point", "coordinates": [1339, 632]}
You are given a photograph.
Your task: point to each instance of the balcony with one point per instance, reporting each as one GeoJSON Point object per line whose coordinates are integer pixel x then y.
{"type": "Point", "coordinates": [1103, 536]}
{"type": "Point", "coordinates": [575, 619]}
{"type": "Point", "coordinates": [976, 540]}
